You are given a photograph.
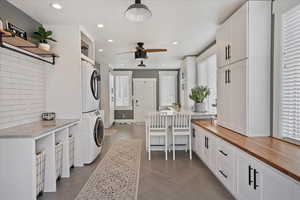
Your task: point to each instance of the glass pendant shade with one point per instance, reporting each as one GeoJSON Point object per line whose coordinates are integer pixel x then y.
{"type": "Point", "coordinates": [138, 12]}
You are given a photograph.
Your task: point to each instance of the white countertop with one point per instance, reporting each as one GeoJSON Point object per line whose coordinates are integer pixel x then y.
{"type": "Point", "coordinates": [35, 129]}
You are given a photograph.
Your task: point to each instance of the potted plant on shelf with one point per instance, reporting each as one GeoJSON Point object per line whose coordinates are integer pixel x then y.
{"type": "Point", "coordinates": [43, 36]}
{"type": "Point", "coordinates": [199, 94]}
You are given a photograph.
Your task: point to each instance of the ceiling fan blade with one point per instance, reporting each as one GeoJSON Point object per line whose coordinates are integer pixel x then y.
{"type": "Point", "coordinates": [155, 50]}
{"type": "Point", "coordinates": [127, 52]}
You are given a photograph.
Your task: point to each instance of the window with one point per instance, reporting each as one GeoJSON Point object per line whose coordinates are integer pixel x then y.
{"type": "Point", "coordinates": [167, 88]}
{"type": "Point", "coordinates": [123, 90]}
{"type": "Point", "coordinates": [207, 76]}
{"type": "Point", "coordinates": [290, 84]}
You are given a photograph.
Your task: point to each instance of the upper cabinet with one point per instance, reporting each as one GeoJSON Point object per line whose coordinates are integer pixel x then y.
{"type": "Point", "coordinates": [244, 55]}
{"type": "Point", "coordinates": [233, 35]}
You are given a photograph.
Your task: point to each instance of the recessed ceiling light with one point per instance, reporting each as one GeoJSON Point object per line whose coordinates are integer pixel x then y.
{"type": "Point", "coordinates": [100, 50]}
{"type": "Point", "coordinates": [56, 6]}
{"type": "Point", "coordinates": [110, 40]}
{"type": "Point", "coordinates": [100, 25]}
{"type": "Point", "coordinates": [175, 42]}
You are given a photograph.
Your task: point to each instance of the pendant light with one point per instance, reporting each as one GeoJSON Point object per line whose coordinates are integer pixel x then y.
{"type": "Point", "coordinates": [138, 12]}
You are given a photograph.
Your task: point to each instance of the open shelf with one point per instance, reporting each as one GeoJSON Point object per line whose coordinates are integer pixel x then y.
{"type": "Point", "coordinates": [25, 46]}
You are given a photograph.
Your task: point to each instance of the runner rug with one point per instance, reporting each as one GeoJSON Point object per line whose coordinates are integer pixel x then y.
{"type": "Point", "coordinates": [116, 177]}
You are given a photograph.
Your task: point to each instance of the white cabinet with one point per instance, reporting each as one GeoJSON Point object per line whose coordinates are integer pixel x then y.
{"type": "Point", "coordinates": [238, 47]}
{"type": "Point", "coordinates": [249, 178]}
{"type": "Point", "coordinates": [244, 75]}
{"type": "Point", "coordinates": [223, 42]}
{"type": "Point", "coordinates": [232, 96]}
{"type": "Point", "coordinates": [226, 164]}
{"type": "Point", "coordinates": [258, 181]}
{"type": "Point", "coordinates": [237, 84]}
{"type": "Point", "coordinates": [206, 148]}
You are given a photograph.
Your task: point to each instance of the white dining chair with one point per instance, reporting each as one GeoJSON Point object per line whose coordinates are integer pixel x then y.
{"type": "Point", "coordinates": [181, 126]}
{"type": "Point", "coordinates": [156, 126]}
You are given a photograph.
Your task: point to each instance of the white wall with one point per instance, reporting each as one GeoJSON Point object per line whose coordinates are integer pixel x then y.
{"type": "Point", "coordinates": [188, 68]}
{"type": "Point", "coordinates": [22, 88]}
{"type": "Point", "coordinates": [280, 7]}
{"type": "Point", "coordinates": [64, 79]}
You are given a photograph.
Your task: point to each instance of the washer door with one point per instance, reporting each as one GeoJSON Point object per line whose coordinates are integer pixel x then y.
{"type": "Point", "coordinates": [98, 132]}
{"type": "Point", "coordinates": [95, 78]}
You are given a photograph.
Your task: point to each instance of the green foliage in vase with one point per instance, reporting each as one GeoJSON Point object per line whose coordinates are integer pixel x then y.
{"type": "Point", "coordinates": [199, 94]}
{"type": "Point", "coordinates": [43, 35]}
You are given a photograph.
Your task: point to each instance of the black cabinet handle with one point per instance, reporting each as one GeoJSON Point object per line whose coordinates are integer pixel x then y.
{"type": "Point", "coordinates": [255, 176]}
{"type": "Point", "coordinates": [225, 76]}
{"type": "Point", "coordinates": [205, 142]}
{"type": "Point", "coordinates": [221, 172]}
{"type": "Point", "coordinates": [222, 152]}
{"type": "Point", "coordinates": [226, 53]}
{"type": "Point", "coordinates": [229, 51]}
{"type": "Point", "coordinates": [249, 175]}
{"type": "Point", "coordinates": [229, 76]}
{"type": "Point", "coordinates": [193, 132]}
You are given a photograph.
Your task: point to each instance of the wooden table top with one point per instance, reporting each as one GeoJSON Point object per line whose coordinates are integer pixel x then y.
{"type": "Point", "coordinates": [279, 154]}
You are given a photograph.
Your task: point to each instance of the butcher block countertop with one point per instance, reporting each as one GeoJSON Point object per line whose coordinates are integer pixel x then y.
{"type": "Point", "coordinates": [35, 129]}
{"type": "Point", "coordinates": [279, 154]}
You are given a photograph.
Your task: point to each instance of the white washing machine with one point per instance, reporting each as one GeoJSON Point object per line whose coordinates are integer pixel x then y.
{"type": "Point", "coordinates": [90, 87]}
{"type": "Point", "coordinates": [90, 137]}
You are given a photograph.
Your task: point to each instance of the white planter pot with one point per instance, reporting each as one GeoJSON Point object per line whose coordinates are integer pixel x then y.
{"type": "Point", "coordinates": [44, 46]}
{"type": "Point", "coordinates": [200, 107]}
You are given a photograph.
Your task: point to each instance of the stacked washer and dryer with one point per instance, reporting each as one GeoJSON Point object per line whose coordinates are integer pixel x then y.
{"type": "Point", "coordinates": [91, 132]}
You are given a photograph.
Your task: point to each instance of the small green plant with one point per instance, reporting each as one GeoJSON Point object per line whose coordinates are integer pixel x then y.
{"type": "Point", "coordinates": [42, 35]}
{"type": "Point", "coordinates": [199, 94]}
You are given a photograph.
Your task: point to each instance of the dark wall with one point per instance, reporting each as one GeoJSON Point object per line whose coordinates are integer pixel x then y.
{"type": "Point", "coordinates": [17, 17]}
{"type": "Point", "coordinates": [144, 73]}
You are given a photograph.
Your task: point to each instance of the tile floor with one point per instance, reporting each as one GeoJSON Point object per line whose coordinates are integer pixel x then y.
{"type": "Point", "coordinates": [159, 179]}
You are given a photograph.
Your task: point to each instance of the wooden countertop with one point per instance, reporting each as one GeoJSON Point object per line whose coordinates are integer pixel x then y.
{"type": "Point", "coordinates": [35, 129]}
{"type": "Point", "coordinates": [279, 154]}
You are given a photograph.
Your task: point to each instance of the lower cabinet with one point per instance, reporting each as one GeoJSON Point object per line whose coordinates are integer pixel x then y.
{"type": "Point", "coordinates": [244, 176]}
{"type": "Point", "coordinates": [259, 181]}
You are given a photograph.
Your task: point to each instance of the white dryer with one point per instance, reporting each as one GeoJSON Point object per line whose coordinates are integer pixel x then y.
{"type": "Point", "coordinates": [90, 137]}
{"type": "Point", "coordinates": [90, 87]}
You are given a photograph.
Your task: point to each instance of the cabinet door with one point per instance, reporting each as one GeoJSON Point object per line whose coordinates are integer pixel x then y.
{"type": "Point", "coordinates": [237, 85]}
{"type": "Point", "coordinates": [224, 98]}
{"type": "Point", "coordinates": [248, 182]}
{"type": "Point", "coordinates": [212, 152]}
{"type": "Point", "coordinates": [276, 186]}
{"type": "Point", "coordinates": [223, 37]}
{"type": "Point", "coordinates": [238, 49]}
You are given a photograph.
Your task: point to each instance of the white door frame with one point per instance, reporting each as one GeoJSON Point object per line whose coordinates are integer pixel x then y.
{"type": "Point", "coordinates": [144, 79]}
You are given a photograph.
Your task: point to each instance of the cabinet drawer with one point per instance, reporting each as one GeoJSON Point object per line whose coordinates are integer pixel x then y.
{"type": "Point", "coordinates": [226, 152]}
{"type": "Point", "coordinates": [226, 174]}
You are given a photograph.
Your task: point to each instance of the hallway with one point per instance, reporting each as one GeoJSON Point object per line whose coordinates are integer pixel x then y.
{"type": "Point", "coordinates": [159, 179]}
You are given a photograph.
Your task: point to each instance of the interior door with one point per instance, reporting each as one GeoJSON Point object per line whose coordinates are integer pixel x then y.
{"type": "Point", "coordinates": [144, 91]}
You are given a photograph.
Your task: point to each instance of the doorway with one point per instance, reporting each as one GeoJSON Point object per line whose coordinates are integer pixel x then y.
{"type": "Point", "coordinates": [144, 91]}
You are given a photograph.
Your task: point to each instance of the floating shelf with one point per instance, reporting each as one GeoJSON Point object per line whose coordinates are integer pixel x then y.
{"type": "Point", "coordinates": [33, 50]}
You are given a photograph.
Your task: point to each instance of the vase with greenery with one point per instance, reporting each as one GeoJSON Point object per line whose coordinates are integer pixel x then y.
{"type": "Point", "coordinates": [43, 36]}
{"type": "Point", "coordinates": [198, 95]}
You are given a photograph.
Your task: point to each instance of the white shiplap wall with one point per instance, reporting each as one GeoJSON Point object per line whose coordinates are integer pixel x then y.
{"type": "Point", "coordinates": [22, 88]}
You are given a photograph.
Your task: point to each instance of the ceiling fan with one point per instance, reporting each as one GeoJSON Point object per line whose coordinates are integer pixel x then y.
{"type": "Point", "coordinates": [142, 64]}
{"type": "Point", "coordinates": [141, 53]}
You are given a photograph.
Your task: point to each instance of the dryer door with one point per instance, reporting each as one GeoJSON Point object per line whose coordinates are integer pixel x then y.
{"type": "Point", "coordinates": [98, 132]}
{"type": "Point", "coordinates": [94, 82]}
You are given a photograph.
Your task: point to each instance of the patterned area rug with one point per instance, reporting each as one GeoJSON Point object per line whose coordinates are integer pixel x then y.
{"type": "Point", "coordinates": [116, 177]}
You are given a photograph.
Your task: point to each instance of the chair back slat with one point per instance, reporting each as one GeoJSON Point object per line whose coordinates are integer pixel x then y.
{"type": "Point", "coordinates": [157, 121]}
{"type": "Point", "coordinates": [182, 121]}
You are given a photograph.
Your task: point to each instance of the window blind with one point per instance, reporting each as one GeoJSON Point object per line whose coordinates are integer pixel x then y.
{"type": "Point", "coordinates": [290, 105]}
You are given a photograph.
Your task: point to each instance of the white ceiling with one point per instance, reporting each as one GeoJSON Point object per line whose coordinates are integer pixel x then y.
{"type": "Point", "coordinates": [193, 23]}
